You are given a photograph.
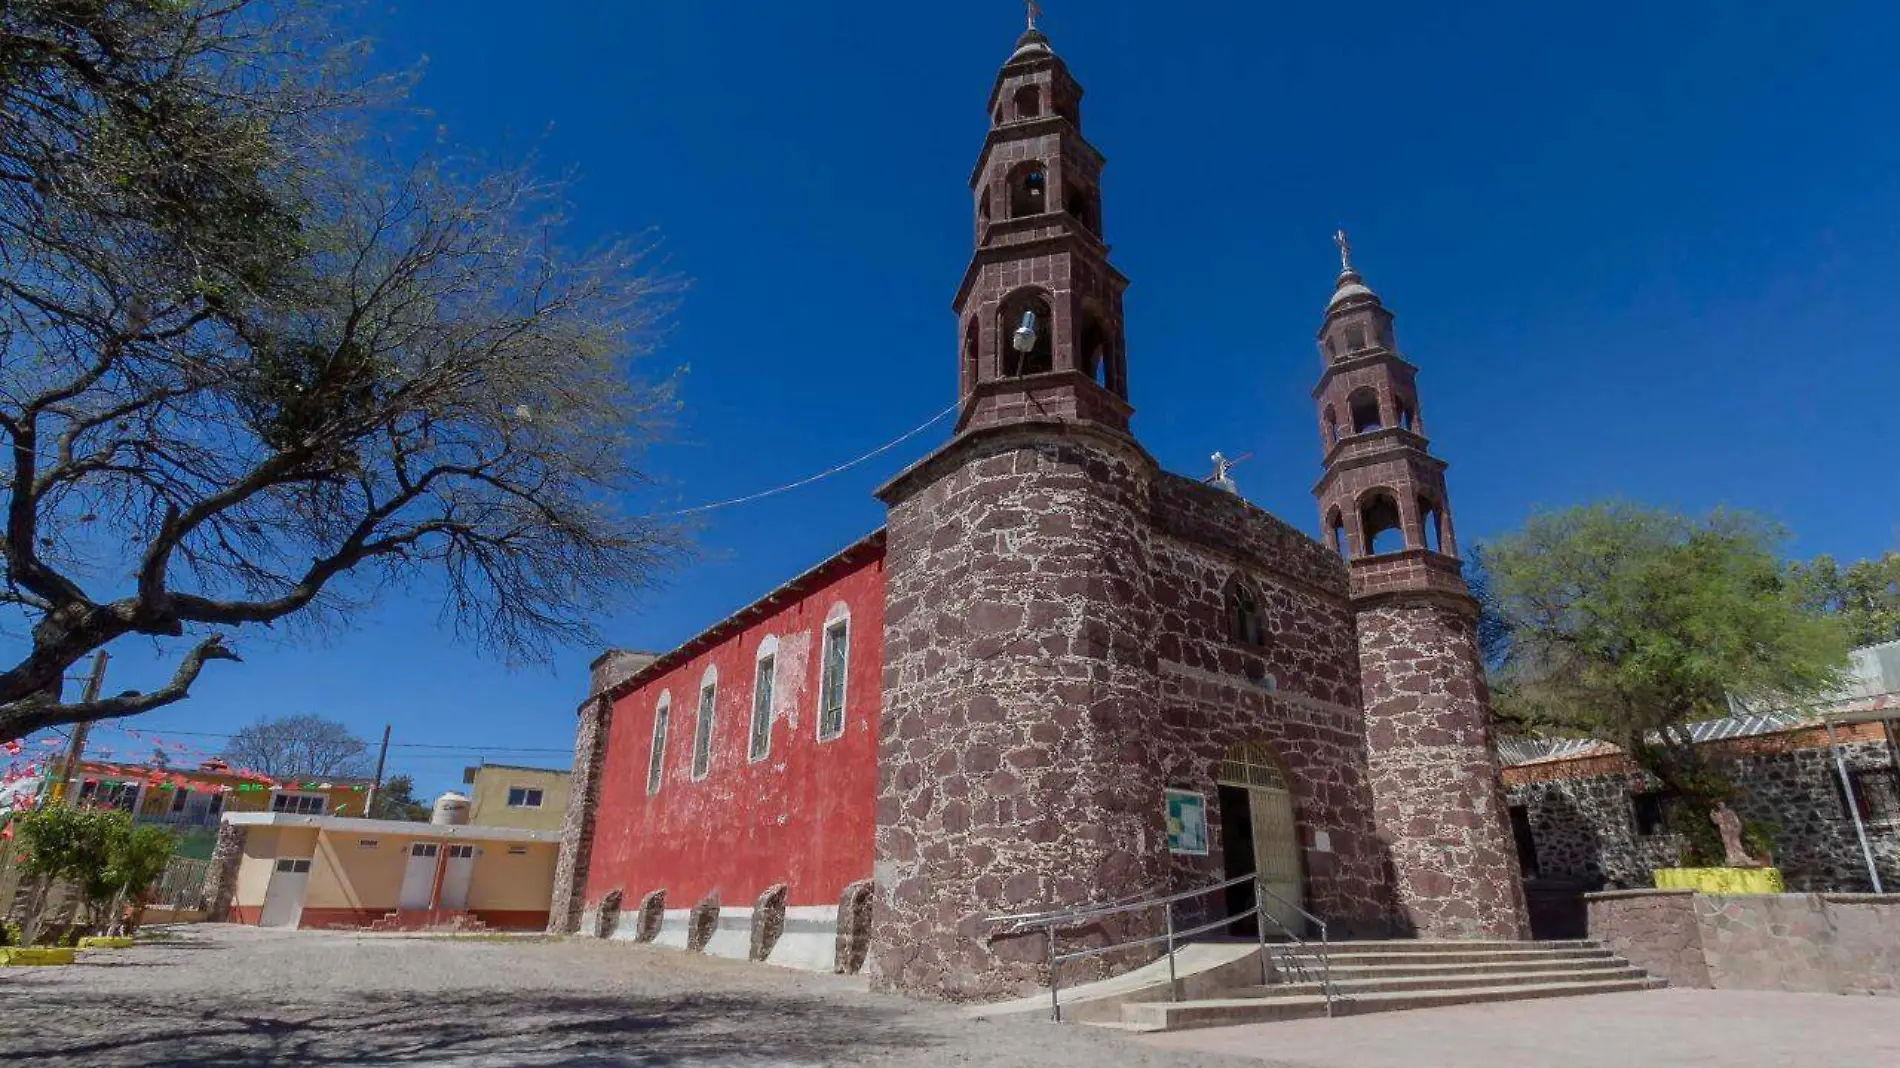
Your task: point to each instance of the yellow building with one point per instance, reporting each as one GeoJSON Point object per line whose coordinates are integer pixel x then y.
{"type": "Point", "coordinates": [507, 795]}
{"type": "Point", "coordinates": [185, 798]}
{"type": "Point", "coordinates": [330, 871]}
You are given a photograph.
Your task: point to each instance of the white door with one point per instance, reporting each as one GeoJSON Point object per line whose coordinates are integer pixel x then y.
{"type": "Point", "coordinates": [418, 876]}
{"type": "Point", "coordinates": [283, 898]}
{"type": "Point", "coordinates": [1276, 856]}
{"type": "Point", "coordinates": [455, 876]}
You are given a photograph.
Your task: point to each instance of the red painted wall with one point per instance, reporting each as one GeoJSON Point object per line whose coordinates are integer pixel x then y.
{"type": "Point", "coordinates": [803, 816]}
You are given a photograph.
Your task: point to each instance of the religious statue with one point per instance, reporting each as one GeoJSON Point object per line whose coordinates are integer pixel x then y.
{"type": "Point", "coordinates": [1736, 854]}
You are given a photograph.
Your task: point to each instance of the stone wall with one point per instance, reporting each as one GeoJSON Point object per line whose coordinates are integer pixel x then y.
{"type": "Point", "coordinates": [1298, 692]}
{"type": "Point", "coordinates": [221, 876]}
{"type": "Point", "coordinates": [1438, 798]}
{"type": "Point", "coordinates": [1657, 930]}
{"type": "Point", "coordinates": [1019, 700]}
{"type": "Point", "coordinates": [577, 832]}
{"type": "Point", "coordinates": [1584, 828]}
{"type": "Point", "coordinates": [1818, 943]}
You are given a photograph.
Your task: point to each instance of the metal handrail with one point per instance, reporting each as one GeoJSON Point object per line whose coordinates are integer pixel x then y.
{"type": "Point", "coordinates": [1050, 921]}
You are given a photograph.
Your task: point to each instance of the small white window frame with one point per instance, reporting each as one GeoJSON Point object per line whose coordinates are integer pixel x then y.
{"type": "Point", "coordinates": [840, 613]}
{"type": "Point", "coordinates": [656, 753]}
{"type": "Point", "coordinates": [531, 797]}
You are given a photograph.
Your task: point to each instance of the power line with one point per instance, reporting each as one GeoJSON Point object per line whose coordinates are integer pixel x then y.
{"type": "Point", "coordinates": [801, 483]}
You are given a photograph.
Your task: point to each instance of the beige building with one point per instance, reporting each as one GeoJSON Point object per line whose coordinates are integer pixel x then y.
{"type": "Point", "coordinates": [331, 871]}
{"type": "Point", "coordinates": [507, 795]}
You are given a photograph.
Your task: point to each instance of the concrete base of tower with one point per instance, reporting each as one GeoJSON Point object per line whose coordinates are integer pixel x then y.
{"type": "Point", "coordinates": [1438, 801]}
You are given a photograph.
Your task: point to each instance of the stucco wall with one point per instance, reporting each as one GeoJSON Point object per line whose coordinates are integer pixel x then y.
{"type": "Point", "coordinates": [802, 816]}
{"type": "Point", "coordinates": [262, 847]}
{"type": "Point", "coordinates": [349, 874]}
{"type": "Point", "coordinates": [488, 798]}
{"type": "Point", "coordinates": [512, 882]}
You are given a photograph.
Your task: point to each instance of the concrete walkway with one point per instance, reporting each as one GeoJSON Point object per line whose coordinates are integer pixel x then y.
{"type": "Point", "coordinates": [1655, 1029]}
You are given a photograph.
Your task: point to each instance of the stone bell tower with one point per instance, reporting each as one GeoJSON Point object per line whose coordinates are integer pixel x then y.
{"type": "Point", "coordinates": [1439, 804]}
{"type": "Point", "coordinates": [1019, 660]}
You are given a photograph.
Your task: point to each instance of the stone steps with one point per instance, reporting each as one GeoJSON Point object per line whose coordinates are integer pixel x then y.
{"type": "Point", "coordinates": [1390, 976]}
{"type": "Point", "coordinates": [1348, 986]}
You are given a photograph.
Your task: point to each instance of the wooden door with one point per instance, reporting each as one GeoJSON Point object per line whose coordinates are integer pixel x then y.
{"type": "Point", "coordinates": [1277, 857]}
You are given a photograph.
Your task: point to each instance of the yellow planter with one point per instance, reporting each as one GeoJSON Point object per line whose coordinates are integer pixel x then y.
{"type": "Point", "coordinates": [33, 955]}
{"type": "Point", "coordinates": [104, 942]}
{"type": "Point", "coordinates": [1721, 880]}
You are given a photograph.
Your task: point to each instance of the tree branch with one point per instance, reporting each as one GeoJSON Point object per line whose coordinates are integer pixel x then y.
{"type": "Point", "coordinates": [24, 717]}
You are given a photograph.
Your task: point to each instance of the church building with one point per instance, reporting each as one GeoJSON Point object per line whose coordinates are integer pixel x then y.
{"type": "Point", "coordinates": [1059, 674]}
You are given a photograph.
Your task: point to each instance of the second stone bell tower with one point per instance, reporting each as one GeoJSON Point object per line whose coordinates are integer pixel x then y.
{"type": "Point", "coordinates": [1019, 659]}
{"type": "Point", "coordinates": [1432, 760]}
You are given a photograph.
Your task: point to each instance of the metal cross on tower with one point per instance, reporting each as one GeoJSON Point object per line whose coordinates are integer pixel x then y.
{"type": "Point", "coordinates": [1034, 10]}
{"type": "Point", "coordinates": [1345, 250]}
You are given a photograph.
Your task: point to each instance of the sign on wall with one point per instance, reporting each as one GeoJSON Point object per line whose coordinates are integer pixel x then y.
{"type": "Point", "coordinates": [1187, 822]}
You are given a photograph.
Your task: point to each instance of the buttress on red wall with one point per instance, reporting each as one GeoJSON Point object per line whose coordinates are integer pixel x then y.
{"type": "Point", "coordinates": [804, 814]}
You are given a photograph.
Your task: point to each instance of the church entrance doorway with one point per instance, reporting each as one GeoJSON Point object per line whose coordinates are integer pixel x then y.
{"type": "Point", "coordinates": [1260, 834]}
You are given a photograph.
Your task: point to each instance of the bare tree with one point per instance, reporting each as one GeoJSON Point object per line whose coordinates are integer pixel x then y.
{"type": "Point", "coordinates": [251, 370]}
{"type": "Point", "coordinates": [298, 746]}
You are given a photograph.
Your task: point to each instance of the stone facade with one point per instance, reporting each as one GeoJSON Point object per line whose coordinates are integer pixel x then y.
{"type": "Point", "coordinates": [1583, 820]}
{"type": "Point", "coordinates": [607, 916]}
{"type": "Point", "coordinates": [652, 914]}
{"type": "Point", "coordinates": [1820, 943]}
{"type": "Point", "coordinates": [221, 875]}
{"type": "Point", "coordinates": [577, 833]}
{"type": "Point", "coordinates": [702, 923]}
{"type": "Point", "coordinates": [852, 942]}
{"type": "Point", "coordinates": [1435, 782]}
{"type": "Point", "coordinates": [768, 922]}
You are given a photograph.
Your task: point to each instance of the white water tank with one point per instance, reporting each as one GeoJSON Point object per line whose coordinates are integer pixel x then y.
{"type": "Point", "coordinates": [451, 809]}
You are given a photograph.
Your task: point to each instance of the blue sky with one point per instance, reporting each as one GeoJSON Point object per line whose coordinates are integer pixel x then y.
{"type": "Point", "coordinates": [1637, 250]}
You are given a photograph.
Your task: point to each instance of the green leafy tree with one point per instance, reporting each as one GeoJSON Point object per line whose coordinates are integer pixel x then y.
{"type": "Point", "coordinates": [1628, 624]}
{"type": "Point", "coordinates": [397, 800]}
{"type": "Point", "coordinates": [1864, 595]}
{"type": "Point", "coordinates": [255, 371]}
{"type": "Point", "coordinates": [97, 851]}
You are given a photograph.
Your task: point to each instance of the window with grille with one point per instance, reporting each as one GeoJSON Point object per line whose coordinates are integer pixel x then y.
{"type": "Point", "coordinates": [119, 795]}
{"type": "Point", "coordinates": [1252, 764]}
{"type": "Point", "coordinates": [180, 798]}
{"type": "Point", "coordinates": [703, 730]}
{"type": "Point", "coordinates": [656, 761]}
{"type": "Point", "coordinates": [832, 687]}
{"type": "Point", "coordinates": [761, 743]}
{"type": "Point", "coordinates": [290, 866]}
{"type": "Point", "coordinates": [1876, 795]}
{"type": "Point", "coordinates": [524, 797]}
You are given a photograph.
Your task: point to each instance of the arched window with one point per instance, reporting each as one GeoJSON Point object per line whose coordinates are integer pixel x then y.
{"type": "Point", "coordinates": [1332, 427]}
{"type": "Point", "coordinates": [1028, 189]}
{"type": "Point", "coordinates": [1406, 418]}
{"type": "Point", "coordinates": [1336, 531]}
{"type": "Point", "coordinates": [1429, 523]}
{"type": "Point", "coordinates": [1379, 523]}
{"type": "Point", "coordinates": [971, 341]}
{"type": "Point", "coordinates": [1028, 102]}
{"type": "Point", "coordinates": [1025, 317]}
{"type": "Point", "coordinates": [764, 686]}
{"type": "Point", "coordinates": [1244, 623]}
{"type": "Point", "coordinates": [703, 727]}
{"type": "Point", "coordinates": [1363, 406]}
{"type": "Point", "coordinates": [1080, 203]}
{"type": "Point", "coordinates": [983, 214]}
{"type": "Point", "coordinates": [656, 758]}
{"type": "Point", "coordinates": [1355, 337]}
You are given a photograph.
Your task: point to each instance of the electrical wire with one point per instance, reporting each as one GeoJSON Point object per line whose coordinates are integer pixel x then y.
{"type": "Point", "coordinates": [803, 482]}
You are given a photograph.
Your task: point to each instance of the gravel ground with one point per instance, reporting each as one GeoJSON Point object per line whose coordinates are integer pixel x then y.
{"type": "Point", "coordinates": [225, 995]}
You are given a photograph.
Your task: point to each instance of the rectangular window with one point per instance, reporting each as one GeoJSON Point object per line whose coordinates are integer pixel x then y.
{"type": "Point", "coordinates": [656, 762]}
{"type": "Point", "coordinates": [762, 709]}
{"type": "Point", "coordinates": [1652, 812]}
{"type": "Point", "coordinates": [461, 852]}
{"type": "Point", "coordinates": [524, 797]}
{"type": "Point", "coordinates": [517, 851]}
{"type": "Point", "coordinates": [702, 736]}
{"type": "Point", "coordinates": [292, 867]}
{"type": "Point", "coordinates": [831, 689]}
{"type": "Point", "coordinates": [422, 849]}
{"type": "Point", "coordinates": [366, 843]}
{"type": "Point", "coordinates": [1876, 795]}
{"type": "Point", "coordinates": [119, 795]}
{"type": "Point", "coordinates": [179, 798]}
{"type": "Point", "coordinates": [298, 804]}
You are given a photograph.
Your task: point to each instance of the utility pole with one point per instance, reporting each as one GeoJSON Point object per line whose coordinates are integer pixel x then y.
{"type": "Point", "coordinates": [369, 804]}
{"type": "Point", "coordinates": [77, 748]}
